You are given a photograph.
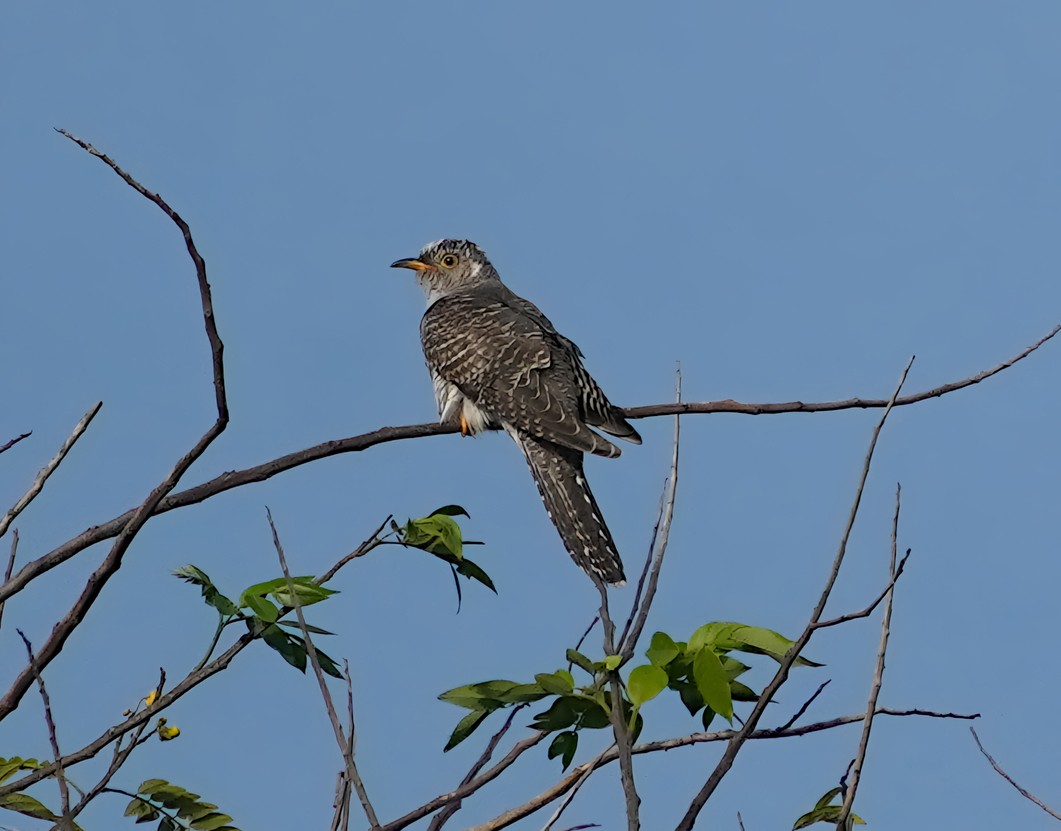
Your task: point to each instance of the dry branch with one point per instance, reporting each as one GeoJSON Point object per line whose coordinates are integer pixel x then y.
{"type": "Point", "coordinates": [1023, 792]}
{"type": "Point", "coordinates": [266, 470]}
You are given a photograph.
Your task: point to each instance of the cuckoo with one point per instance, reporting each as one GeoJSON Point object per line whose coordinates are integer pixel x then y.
{"type": "Point", "coordinates": [497, 362]}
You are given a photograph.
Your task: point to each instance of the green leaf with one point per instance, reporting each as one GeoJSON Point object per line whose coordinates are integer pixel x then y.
{"type": "Point", "coordinates": [580, 661]}
{"type": "Point", "coordinates": [290, 649]}
{"type": "Point", "coordinates": [465, 727]}
{"type": "Point", "coordinates": [645, 683]}
{"type": "Point", "coordinates": [328, 666]}
{"type": "Point", "coordinates": [261, 607]}
{"type": "Point", "coordinates": [476, 696]}
{"type": "Point", "coordinates": [211, 822]}
{"type": "Point", "coordinates": [707, 717]}
{"type": "Point", "coordinates": [560, 715]}
{"type": "Point", "coordinates": [26, 805]}
{"type": "Point", "coordinates": [437, 534]}
{"type": "Point", "coordinates": [662, 650]}
{"type": "Point", "coordinates": [752, 639]}
{"type": "Point", "coordinates": [211, 595]}
{"type": "Point", "coordinates": [8, 767]}
{"type": "Point", "coordinates": [474, 572]}
{"type": "Point", "coordinates": [141, 809]}
{"type": "Point", "coordinates": [690, 695]}
{"type": "Point", "coordinates": [825, 813]}
{"type": "Point", "coordinates": [293, 624]}
{"type": "Point", "coordinates": [556, 683]}
{"type": "Point", "coordinates": [306, 589]}
{"type": "Point", "coordinates": [451, 510]}
{"type": "Point", "coordinates": [742, 692]}
{"type": "Point", "coordinates": [168, 824]}
{"type": "Point", "coordinates": [564, 745]}
{"type": "Point", "coordinates": [712, 682]}
{"type": "Point", "coordinates": [592, 716]}
{"type": "Point", "coordinates": [148, 786]}
{"type": "Point", "coordinates": [828, 797]}
{"type": "Point", "coordinates": [612, 662]}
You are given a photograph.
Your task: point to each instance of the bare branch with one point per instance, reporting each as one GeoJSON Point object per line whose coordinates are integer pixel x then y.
{"type": "Point", "coordinates": [582, 780]}
{"type": "Point", "coordinates": [60, 775]}
{"type": "Point", "coordinates": [443, 816]}
{"type": "Point", "coordinates": [561, 787]}
{"type": "Point", "coordinates": [346, 748]}
{"type": "Point", "coordinates": [617, 716]}
{"type": "Point", "coordinates": [10, 566]}
{"type": "Point", "coordinates": [733, 748]}
{"type": "Point", "coordinates": [878, 676]}
{"type": "Point", "coordinates": [134, 721]}
{"type": "Point", "coordinates": [635, 624]}
{"type": "Point", "coordinates": [1026, 794]}
{"type": "Point", "coordinates": [730, 406]}
{"type": "Point", "coordinates": [48, 469]}
{"type": "Point", "coordinates": [8, 445]}
{"type": "Point", "coordinates": [517, 750]}
{"type": "Point", "coordinates": [866, 612]}
{"type": "Point", "coordinates": [363, 549]}
{"type": "Point", "coordinates": [149, 507]}
{"type": "Point", "coordinates": [266, 470]}
{"type": "Point", "coordinates": [806, 704]}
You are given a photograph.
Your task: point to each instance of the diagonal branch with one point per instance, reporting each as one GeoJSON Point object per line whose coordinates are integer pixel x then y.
{"type": "Point", "coordinates": [878, 677]}
{"type": "Point", "coordinates": [573, 777]}
{"type": "Point", "coordinates": [635, 624]}
{"type": "Point", "coordinates": [113, 561]}
{"type": "Point", "coordinates": [346, 747]}
{"type": "Point", "coordinates": [998, 769]}
{"type": "Point", "coordinates": [48, 469]}
{"type": "Point", "coordinates": [9, 444]}
{"type": "Point", "coordinates": [767, 695]}
{"type": "Point", "coordinates": [266, 470]}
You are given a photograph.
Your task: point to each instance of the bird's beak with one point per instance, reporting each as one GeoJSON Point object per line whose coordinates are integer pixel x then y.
{"type": "Point", "coordinates": [413, 263]}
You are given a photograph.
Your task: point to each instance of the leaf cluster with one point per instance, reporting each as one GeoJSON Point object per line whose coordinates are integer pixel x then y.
{"type": "Point", "coordinates": [175, 808]}
{"type": "Point", "coordinates": [439, 534]}
{"type": "Point", "coordinates": [823, 811]}
{"type": "Point", "coordinates": [700, 670]}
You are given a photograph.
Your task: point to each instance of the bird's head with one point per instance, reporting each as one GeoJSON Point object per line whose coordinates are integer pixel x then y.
{"type": "Point", "coordinates": [449, 265]}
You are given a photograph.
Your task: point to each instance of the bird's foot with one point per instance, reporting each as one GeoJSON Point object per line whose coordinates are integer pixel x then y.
{"type": "Point", "coordinates": [465, 429]}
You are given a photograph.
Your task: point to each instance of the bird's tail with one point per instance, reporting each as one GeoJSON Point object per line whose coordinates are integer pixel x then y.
{"type": "Point", "coordinates": [561, 482]}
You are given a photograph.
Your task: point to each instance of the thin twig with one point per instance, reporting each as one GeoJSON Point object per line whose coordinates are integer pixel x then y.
{"type": "Point", "coordinates": [345, 747]}
{"type": "Point", "coordinates": [134, 721]}
{"type": "Point", "coordinates": [10, 566]}
{"type": "Point", "coordinates": [620, 729]}
{"type": "Point", "coordinates": [781, 675]}
{"type": "Point", "coordinates": [806, 704]}
{"type": "Point", "coordinates": [8, 445]}
{"type": "Point", "coordinates": [558, 789]}
{"type": "Point", "coordinates": [46, 471]}
{"type": "Point", "coordinates": [582, 780]}
{"type": "Point", "coordinates": [878, 676]}
{"type": "Point", "coordinates": [60, 774]}
{"type": "Point", "coordinates": [429, 807]}
{"type": "Point", "coordinates": [635, 623]}
{"type": "Point", "coordinates": [266, 470]}
{"type": "Point", "coordinates": [363, 549]}
{"type": "Point", "coordinates": [868, 610]}
{"type": "Point", "coordinates": [443, 816]}
{"type": "Point", "coordinates": [1022, 791]}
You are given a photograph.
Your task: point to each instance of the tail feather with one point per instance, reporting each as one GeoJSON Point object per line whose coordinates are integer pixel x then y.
{"type": "Point", "coordinates": [562, 484]}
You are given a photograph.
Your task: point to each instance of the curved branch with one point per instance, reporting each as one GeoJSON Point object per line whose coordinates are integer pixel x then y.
{"type": "Point", "coordinates": [267, 470]}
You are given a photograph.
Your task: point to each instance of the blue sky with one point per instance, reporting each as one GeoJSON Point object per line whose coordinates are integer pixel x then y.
{"type": "Point", "coordinates": [788, 199]}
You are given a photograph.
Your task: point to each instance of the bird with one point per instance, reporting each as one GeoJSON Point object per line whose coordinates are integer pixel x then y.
{"type": "Point", "coordinates": [497, 362]}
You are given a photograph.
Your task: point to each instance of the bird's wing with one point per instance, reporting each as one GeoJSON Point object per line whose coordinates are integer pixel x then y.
{"type": "Point", "coordinates": [512, 366]}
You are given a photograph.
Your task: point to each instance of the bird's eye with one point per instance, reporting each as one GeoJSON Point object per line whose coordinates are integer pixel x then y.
{"type": "Point", "coordinates": [448, 260]}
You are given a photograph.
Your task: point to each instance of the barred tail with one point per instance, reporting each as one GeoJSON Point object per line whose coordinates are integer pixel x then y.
{"type": "Point", "coordinates": [561, 482]}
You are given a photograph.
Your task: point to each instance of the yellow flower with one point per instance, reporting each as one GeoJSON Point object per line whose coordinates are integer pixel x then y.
{"type": "Point", "coordinates": [152, 697]}
{"type": "Point", "coordinates": [167, 733]}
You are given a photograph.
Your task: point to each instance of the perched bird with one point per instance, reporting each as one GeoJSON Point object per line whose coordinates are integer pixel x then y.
{"type": "Point", "coordinates": [497, 361]}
